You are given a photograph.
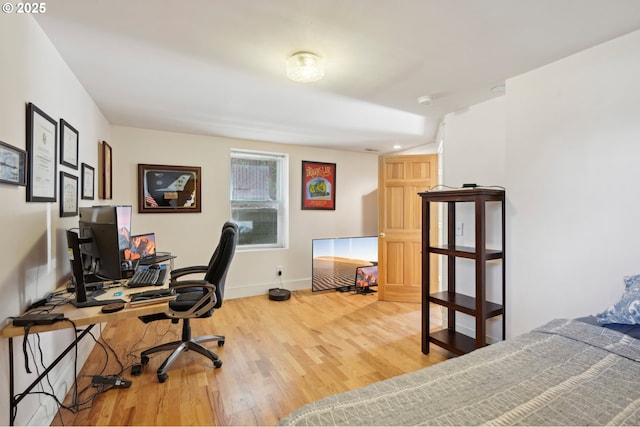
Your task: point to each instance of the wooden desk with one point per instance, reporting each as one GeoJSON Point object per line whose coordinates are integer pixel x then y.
{"type": "Point", "coordinates": [88, 317]}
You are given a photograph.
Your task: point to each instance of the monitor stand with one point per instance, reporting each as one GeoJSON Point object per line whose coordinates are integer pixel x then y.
{"type": "Point", "coordinates": [78, 277]}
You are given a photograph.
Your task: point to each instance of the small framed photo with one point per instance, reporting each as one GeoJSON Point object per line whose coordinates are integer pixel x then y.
{"type": "Point", "coordinates": [88, 180]}
{"type": "Point", "coordinates": [42, 143]}
{"type": "Point", "coordinates": [318, 185]}
{"type": "Point", "coordinates": [68, 194]}
{"type": "Point", "coordinates": [106, 163]}
{"type": "Point", "coordinates": [13, 162]}
{"type": "Point", "coordinates": [68, 145]}
{"type": "Point", "coordinates": [169, 189]}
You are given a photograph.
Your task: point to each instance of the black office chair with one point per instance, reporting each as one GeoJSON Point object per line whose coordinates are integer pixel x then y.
{"type": "Point", "coordinates": [196, 299]}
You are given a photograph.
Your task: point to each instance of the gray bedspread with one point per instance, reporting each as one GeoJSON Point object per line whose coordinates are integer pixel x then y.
{"type": "Point", "coordinates": [564, 373]}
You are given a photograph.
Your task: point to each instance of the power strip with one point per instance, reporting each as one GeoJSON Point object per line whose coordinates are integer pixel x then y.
{"type": "Point", "coordinates": [38, 319]}
{"type": "Point", "coordinates": [114, 381]}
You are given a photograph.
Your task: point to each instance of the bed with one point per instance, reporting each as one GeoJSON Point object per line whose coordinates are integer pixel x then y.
{"type": "Point", "coordinates": [567, 372]}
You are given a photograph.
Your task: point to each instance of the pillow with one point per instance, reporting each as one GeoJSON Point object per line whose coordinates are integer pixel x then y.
{"type": "Point", "coordinates": [627, 310]}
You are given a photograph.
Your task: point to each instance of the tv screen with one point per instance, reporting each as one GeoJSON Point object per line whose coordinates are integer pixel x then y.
{"type": "Point", "coordinates": [335, 261]}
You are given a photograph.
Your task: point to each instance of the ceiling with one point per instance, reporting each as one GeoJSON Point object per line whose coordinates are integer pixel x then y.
{"type": "Point", "coordinates": [216, 67]}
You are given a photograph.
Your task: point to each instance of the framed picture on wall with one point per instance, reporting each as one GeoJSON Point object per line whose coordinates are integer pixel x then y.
{"type": "Point", "coordinates": [169, 189]}
{"type": "Point", "coordinates": [68, 145]}
{"type": "Point", "coordinates": [106, 166]}
{"type": "Point", "coordinates": [13, 162]}
{"type": "Point", "coordinates": [68, 194]}
{"type": "Point", "coordinates": [318, 185]}
{"type": "Point", "coordinates": [42, 143]}
{"type": "Point", "coordinates": [88, 180]}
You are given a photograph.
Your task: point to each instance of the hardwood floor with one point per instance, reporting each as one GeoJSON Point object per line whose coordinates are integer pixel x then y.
{"type": "Point", "coordinates": [278, 356]}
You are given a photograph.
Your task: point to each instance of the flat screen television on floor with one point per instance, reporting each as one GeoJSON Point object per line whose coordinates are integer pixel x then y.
{"type": "Point", "coordinates": [335, 261]}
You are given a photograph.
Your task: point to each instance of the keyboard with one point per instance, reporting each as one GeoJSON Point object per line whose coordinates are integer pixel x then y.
{"type": "Point", "coordinates": [148, 277]}
{"type": "Point", "coordinates": [92, 302]}
{"type": "Point", "coordinates": [153, 294]}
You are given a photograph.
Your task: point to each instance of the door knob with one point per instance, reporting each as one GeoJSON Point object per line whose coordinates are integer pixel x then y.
{"type": "Point", "coordinates": [382, 235]}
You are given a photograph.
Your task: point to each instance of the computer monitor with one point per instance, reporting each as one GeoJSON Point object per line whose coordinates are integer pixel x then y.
{"type": "Point", "coordinates": [104, 235]}
{"type": "Point", "coordinates": [77, 266]}
{"type": "Point", "coordinates": [78, 274]}
{"type": "Point", "coordinates": [366, 277]}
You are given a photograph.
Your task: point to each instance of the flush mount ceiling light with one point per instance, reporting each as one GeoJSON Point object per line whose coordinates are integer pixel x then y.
{"type": "Point", "coordinates": [305, 67]}
{"type": "Point", "coordinates": [425, 100]}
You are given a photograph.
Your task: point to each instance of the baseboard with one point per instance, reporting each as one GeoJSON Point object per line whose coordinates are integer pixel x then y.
{"type": "Point", "coordinates": [263, 288]}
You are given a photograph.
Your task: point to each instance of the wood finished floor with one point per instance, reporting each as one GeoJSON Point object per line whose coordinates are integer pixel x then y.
{"type": "Point", "coordinates": [277, 357]}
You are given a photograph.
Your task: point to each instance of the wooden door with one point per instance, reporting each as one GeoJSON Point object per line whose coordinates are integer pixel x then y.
{"type": "Point", "coordinates": [400, 179]}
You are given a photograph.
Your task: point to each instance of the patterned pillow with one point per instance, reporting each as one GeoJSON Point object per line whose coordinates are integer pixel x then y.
{"type": "Point", "coordinates": [627, 310]}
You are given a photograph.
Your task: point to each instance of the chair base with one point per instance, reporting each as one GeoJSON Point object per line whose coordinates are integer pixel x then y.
{"type": "Point", "coordinates": [181, 346]}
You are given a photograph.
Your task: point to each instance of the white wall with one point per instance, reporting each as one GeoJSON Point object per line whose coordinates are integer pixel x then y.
{"type": "Point", "coordinates": [192, 237]}
{"type": "Point", "coordinates": [33, 251]}
{"type": "Point", "coordinates": [474, 152]}
{"type": "Point", "coordinates": [571, 132]}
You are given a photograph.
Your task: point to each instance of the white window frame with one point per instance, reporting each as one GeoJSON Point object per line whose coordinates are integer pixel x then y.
{"type": "Point", "coordinates": [282, 198]}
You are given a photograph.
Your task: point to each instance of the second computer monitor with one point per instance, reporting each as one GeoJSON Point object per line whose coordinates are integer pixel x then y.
{"type": "Point", "coordinates": [108, 230]}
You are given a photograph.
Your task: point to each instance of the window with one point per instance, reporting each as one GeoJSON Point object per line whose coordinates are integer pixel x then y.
{"type": "Point", "coordinates": [259, 198]}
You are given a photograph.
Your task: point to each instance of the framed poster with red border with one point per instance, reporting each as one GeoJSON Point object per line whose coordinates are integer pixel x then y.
{"type": "Point", "coordinates": [318, 185]}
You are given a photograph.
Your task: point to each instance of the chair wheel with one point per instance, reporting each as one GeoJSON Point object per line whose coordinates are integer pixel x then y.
{"type": "Point", "coordinates": [220, 343]}
{"type": "Point", "coordinates": [162, 377]}
{"type": "Point", "coordinates": [216, 364]}
{"type": "Point", "coordinates": [144, 360]}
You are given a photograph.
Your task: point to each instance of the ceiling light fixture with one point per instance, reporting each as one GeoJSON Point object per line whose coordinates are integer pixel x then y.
{"type": "Point", "coordinates": [305, 67]}
{"type": "Point", "coordinates": [425, 100]}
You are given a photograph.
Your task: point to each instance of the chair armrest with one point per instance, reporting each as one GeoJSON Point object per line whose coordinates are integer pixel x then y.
{"type": "Point", "coordinates": [179, 272]}
{"type": "Point", "coordinates": [200, 307]}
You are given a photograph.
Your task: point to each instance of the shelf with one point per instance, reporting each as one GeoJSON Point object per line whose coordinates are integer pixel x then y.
{"type": "Point", "coordinates": [479, 254]}
{"type": "Point", "coordinates": [464, 251]}
{"type": "Point", "coordinates": [465, 304]}
{"type": "Point", "coordinates": [453, 341]}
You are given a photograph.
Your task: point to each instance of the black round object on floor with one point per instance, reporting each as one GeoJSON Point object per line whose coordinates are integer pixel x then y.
{"type": "Point", "coordinates": [278, 294]}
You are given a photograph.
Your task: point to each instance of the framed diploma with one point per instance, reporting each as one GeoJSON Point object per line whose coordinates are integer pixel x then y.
{"type": "Point", "coordinates": [68, 194]}
{"type": "Point", "coordinates": [88, 180]}
{"type": "Point", "coordinates": [68, 145]}
{"type": "Point", "coordinates": [42, 142]}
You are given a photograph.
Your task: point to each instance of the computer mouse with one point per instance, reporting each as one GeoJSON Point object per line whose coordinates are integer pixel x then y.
{"type": "Point", "coordinates": [112, 308]}
{"type": "Point", "coordinates": [154, 267]}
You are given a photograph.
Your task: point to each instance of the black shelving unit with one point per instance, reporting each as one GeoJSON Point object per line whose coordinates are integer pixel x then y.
{"type": "Point", "coordinates": [475, 305]}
